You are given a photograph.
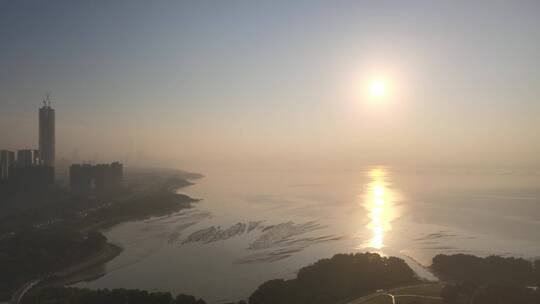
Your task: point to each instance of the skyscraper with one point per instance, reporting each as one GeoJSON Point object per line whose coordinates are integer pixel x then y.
{"type": "Point", "coordinates": [46, 132]}
{"type": "Point", "coordinates": [7, 160]}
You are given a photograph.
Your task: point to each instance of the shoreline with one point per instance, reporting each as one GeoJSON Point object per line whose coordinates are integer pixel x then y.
{"type": "Point", "coordinates": [94, 266]}
{"type": "Point", "coordinates": [82, 271]}
{"type": "Point", "coordinates": [109, 223]}
{"type": "Point", "coordinates": [70, 275]}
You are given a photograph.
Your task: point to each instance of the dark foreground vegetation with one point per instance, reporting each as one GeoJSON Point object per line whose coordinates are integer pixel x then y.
{"type": "Point", "coordinates": [59, 295]}
{"type": "Point", "coordinates": [491, 280]}
{"type": "Point", "coordinates": [493, 269]}
{"type": "Point", "coordinates": [62, 295]}
{"type": "Point", "coordinates": [39, 241]}
{"type": "Point", "coordinates": [29, 254]}
{"type": "Point", "coordinates": [344, 276]}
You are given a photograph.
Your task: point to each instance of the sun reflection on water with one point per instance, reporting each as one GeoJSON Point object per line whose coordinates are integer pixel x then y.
{"type": "Point", "coordinates": [379, 200]}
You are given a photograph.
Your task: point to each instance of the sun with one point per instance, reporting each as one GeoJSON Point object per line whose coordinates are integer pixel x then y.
{"type": "Point", "coordinates": [377, 89]}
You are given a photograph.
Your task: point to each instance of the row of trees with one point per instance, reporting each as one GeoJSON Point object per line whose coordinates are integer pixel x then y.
{"type": "Point", "coordinates": [489, 280]}
{"type": "Point", "coordinates": [344, 276]}
{"type": "Point", "coordinates": [490, 270]}
{"type": "Point", "coordinates": [348, 276]}
{"type": "Point", "coordinates": [61, 295]}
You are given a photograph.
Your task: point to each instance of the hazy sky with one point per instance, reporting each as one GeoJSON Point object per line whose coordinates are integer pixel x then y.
{"type": "Point", "coordinates": [195, 83]}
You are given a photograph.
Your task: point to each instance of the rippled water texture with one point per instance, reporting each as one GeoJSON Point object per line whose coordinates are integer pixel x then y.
{"type": "Point", "coordinates": [253, 226]}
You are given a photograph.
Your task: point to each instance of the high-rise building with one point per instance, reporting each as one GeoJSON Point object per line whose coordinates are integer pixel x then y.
{"type": "Point", "coordinates": [28, 158]}
{"type": "Point", "coordinates": [7, 160]}
{"type": "Point", "coordinates": [46, 133]}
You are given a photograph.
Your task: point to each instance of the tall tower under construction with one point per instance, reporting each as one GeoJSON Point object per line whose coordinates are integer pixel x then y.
{"type": "Point", "coordinates": [46, 132]}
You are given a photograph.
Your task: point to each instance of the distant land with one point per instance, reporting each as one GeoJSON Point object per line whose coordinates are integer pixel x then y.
{"type": "Point", "coordinates": [54, 243]}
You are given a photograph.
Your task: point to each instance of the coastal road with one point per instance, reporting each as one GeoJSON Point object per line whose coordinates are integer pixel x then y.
{"type": "Point", "coordinates": [107, 253]}
{"type": "Point", "coordinates": [414, 296]}
{"type": "Point", "coordinates": [393, 298]}
{"type": "Point", "coordinates": [19, 294]}
{"type": "Point", "coordinates": [372, 296]}
{"type": "Point", "coordinates": [110, 251]}
{"type": "Point", "coordinates": [365, 298]}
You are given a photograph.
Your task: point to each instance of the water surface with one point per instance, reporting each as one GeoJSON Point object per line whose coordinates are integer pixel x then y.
{"type": "Point", "coordinates": [252, 226]}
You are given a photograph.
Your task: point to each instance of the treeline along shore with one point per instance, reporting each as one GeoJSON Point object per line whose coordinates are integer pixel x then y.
{"type": "Point", "coordinates": [55, 243]}
{"type": "Point", "coordinates": [356, 278]}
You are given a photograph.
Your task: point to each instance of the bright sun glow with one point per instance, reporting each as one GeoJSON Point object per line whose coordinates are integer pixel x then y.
{"type": "Point", "coordinates": [377, 89]}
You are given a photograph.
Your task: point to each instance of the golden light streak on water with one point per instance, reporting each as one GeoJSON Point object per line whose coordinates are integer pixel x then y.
{"type": "Point", "coordinates": [379, 201]}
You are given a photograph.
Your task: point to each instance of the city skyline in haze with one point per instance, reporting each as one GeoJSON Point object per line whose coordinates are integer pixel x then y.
{"type": "Point", "coordinates": [202, 83]}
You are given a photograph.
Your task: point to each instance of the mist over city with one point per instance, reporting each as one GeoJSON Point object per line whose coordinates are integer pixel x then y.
{"type": "Point", "coordinates": [269, 152]}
